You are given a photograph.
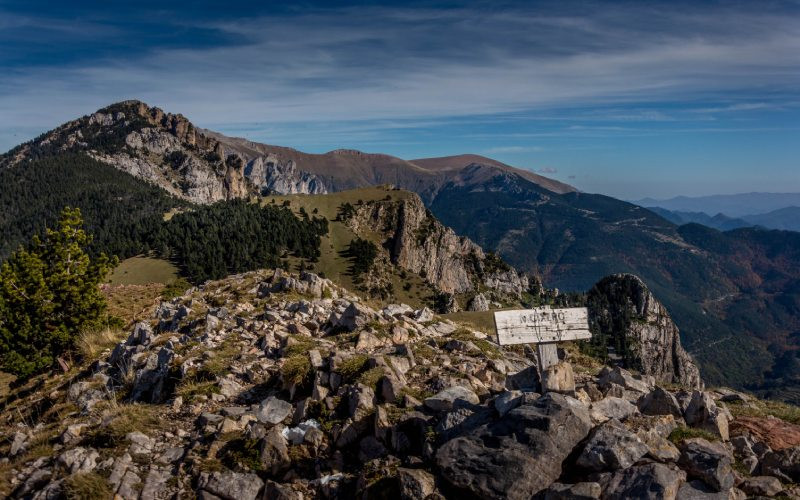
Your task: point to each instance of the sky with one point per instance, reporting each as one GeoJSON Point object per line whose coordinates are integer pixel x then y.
{"type": "Point", "coordinates": [629, 99]}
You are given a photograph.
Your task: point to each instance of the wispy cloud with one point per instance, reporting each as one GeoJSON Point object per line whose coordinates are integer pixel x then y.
{"type": "Point", "coordinates": [393, 66]}
{"type": "Point", "coordinates": [514, 149]}
{"type": "Point", "coordinates": [548, 170]}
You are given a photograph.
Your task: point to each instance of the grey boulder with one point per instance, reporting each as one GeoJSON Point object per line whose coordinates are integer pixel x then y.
{"type": "Point", "coordinates": [519, 455]}
{"type": "Point", "coordinates": [612, 446]}
{"type": "Point", "coordinates": [709, 462]}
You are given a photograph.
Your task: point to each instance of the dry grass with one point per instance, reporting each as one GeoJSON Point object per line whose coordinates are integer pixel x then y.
{"type": "Point", "coordinates": [121, 420]}
{"type": "Point", "coordinates": [94, 342]}
{"type": "Point", "coordinates": [86, 486]}
{"type": "Point", "coordinates": [191, 390]}
{"type": "Point", "coordinates": [132, 302]}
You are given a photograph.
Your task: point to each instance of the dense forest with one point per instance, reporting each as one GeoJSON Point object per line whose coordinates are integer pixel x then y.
{"type": "Point", "coordinates": [125, 215]}
{"type": "Point", "coordinates": [213, 241]}
{"type": "Point", "coordinates": [120, 211]}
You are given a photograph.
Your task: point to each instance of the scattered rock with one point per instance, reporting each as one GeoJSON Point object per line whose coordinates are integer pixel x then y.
{"type": "Point", "coordinates": [611, 407]}
{"type": "Point", "coordinates": [415, 483]}
{"type": "Point", "coordinates": [231, 485]}
{"type": "Point", "coordinates": [649, 481]}
{"type": "Point", "coordinates": [443, 401]}
{"type": "Point", "coordinates": [660, 402]}
{"type": "Point", "coordinates": [765, 486]}
{"type": "Point", "coordinates": [709, 462]}
{"type": "Point", "coordinates": [579, 491]}
{"type": "Point", "coordinates": [703, 413]}
{"type": "Point", "coordinates": [558, 378]}
{"type": "Point", "coordinates": [611, 446]}
{"type": "Point", "coordinates": [273, 411]}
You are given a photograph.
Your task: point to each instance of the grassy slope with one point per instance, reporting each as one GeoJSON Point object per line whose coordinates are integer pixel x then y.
{"type": "Point", "coordinates": [332, 263]}
{"type": "Point", "coordinates": [143, 270]}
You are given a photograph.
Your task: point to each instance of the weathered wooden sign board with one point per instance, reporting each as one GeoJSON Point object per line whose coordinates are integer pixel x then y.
{"type": "Point", "coordinates": [543, 326]}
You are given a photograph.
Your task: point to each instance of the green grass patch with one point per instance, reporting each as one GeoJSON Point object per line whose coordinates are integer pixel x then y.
{"type": "Point", "coordinates": [489, 349]}
{"type": "Point", "coordinates": [480, 320]}
{"type": "Point", "coordinates": [190, 390]}
{"type": "Point", "coordinates": [418, 393]}
{"type": "Point", "coordinates": [219, 365]}
{"type": "Point", "coordinates": [423, 351]}
{"type": "Point", "coordinates": [242, 454]}
{"type": "Point", "coordinates": [370, 377]}
{"type": "Point", "coordinates": [175, 288]}
{"type": "Point", "coordinates": [352, 367]}
{"type": "Point", "coordinates": [763, 408]}
{"type": "Point", "coordinates": [143, 270]}
{"type": "Point", "coordinates": [682, 433]}
{"type": "Point", "coordinates": [299, 345]}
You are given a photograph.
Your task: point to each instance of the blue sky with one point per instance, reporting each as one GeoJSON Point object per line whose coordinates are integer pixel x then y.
{"type": "Point", "coordinates": [630, 99]}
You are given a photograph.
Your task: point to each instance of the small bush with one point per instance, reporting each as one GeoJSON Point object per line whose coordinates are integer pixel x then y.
{"type": "Point", "coordinates": [49, 294]}
{"type": "Point", "coordinates": [176, 289]}
{"type": "Point", "coordinates": [297, 370]}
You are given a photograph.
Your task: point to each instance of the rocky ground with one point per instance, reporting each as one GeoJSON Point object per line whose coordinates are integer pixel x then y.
{"type": "Point", "coordinates": [271, 385]}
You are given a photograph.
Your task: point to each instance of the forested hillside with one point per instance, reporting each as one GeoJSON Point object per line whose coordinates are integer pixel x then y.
{"type": "Point", "coordinates": [126, 217]}
{"type": "Point", "coordinates": [213, 241]}
{"type": "Point", "coordinates": [119, 210]}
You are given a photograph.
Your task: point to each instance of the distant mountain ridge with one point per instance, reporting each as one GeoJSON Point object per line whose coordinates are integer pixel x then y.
{"type": "Point", "coordinates": [202, 166]}
{"type": "Point", "coordinates": [732, 205]}
{"type": "Point", "coordinates": [787, 219]}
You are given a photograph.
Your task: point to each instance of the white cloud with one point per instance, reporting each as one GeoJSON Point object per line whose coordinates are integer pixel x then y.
{"type": "Point", "coordinates": [421, 64]}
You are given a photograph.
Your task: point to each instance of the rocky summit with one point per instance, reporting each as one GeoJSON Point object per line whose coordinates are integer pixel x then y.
{"type": "Point", "coordinates": [276, 385]}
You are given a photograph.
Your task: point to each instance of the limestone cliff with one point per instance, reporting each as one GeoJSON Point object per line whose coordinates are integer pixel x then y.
{"type": "Point", "coordinates": [169, 151]}
{"type": "Point", "coordinates": [627, 321]}
{"type": "Point", "coordinates": [418, 242]}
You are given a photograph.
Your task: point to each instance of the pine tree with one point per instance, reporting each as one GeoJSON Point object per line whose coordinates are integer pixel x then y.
{"type": "Point", "coordinates": [49, 294]}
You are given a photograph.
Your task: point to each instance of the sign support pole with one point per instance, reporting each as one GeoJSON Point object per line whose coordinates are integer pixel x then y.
{"type": "Point", "coordinates": [548, 355]}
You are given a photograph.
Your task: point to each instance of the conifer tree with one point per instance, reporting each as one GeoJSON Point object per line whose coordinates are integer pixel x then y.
{"type": "Point", "coordinates": [49, 294]}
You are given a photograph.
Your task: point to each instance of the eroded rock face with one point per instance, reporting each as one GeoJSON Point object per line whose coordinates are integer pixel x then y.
{"type": "Point", "coordinates": [421, 244]}
{"type": "Point", "coordinates": [518, 455]}
{"type": "Point", "coordinates": [624, 313]}
{"type": "Point", "coordinates": [169, 151]}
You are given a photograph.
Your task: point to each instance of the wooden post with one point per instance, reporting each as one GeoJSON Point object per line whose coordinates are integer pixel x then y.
{"type": "Point", "coordinates": [548, 355]}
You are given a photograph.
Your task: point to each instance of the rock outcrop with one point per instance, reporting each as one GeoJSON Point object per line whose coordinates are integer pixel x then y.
{"type": "Point", "coordinates": [419, 243]}
{"type": "Point", "coordinates": [625, 317]}
{"type": "Point", "coordinates": [168, 150]}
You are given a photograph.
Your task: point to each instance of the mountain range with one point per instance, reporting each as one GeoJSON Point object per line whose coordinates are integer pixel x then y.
{"type": "Point", "coordinates": [732, 205]}
{"type": "Point", "coordinates": [735, 295]}
{"type": "Point", "coordinates": [786, 218]}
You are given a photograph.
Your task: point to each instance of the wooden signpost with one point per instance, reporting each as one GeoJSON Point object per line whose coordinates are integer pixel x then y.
{"type": "Point", "coordinates": [543, 326]}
